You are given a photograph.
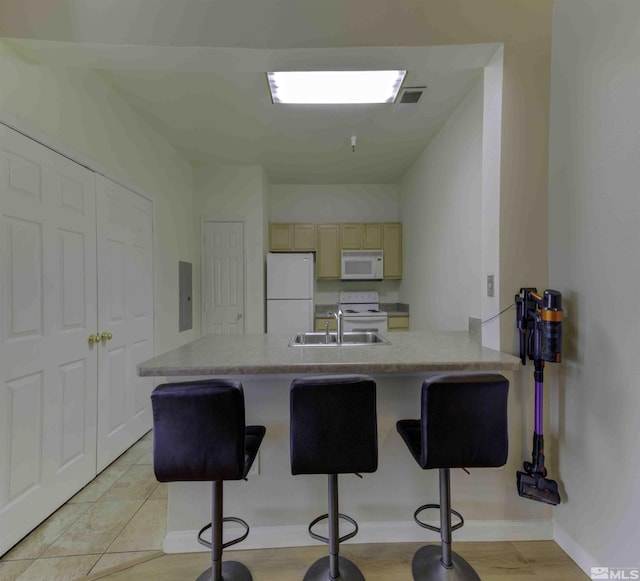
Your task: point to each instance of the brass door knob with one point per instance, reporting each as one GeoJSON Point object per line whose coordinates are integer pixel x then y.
{"type": "Point", "coordinates": [93, 339]}
{"type": "Point", "coordinates": [106, 336]}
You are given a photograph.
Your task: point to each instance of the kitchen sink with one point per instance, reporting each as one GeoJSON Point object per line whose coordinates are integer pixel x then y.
{"type": "Point", "coordinates": [321, 339]}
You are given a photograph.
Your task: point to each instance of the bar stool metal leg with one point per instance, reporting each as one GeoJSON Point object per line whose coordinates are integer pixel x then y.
{"type": "Point", "coordinates": [334, 528]}
{"type": "Point", "coordinates": [440, 563]}
{"type": "Point", "coordinates": [333, 567]}
{"type": "Point", "coordinates": [219, 571]}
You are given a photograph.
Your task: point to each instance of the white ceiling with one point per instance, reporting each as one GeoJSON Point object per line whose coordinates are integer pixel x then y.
{"type": "Point", "coordinates": [212, 103]}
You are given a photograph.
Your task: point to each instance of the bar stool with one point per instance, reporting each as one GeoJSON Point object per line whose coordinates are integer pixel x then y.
{"type": "Point", "coordinates": [333, 431]}
{"type": "Point", "coordinates": [463, 424]}
{"type": "Point", "coordinates": [200, 435]}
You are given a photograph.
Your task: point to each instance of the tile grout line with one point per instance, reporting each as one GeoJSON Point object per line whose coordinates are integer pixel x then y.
{"type": "Point", "coordinates": [106, 551]}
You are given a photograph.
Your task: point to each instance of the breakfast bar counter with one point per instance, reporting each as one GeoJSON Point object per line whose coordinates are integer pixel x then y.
{"type": "Point", "coordinates": [263, 354]}
{"type": "Point", "coordinates": [279, 506]}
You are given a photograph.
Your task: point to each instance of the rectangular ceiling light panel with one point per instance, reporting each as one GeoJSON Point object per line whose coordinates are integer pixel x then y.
{"type": "Point", "coordinates": [335, 87]}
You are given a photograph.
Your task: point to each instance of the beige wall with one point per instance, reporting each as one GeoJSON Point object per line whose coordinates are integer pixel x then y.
{"type": "Point", "coordinates": [440, 203]}
{"type": "Point", "coordinates": [77, 111]}
{"type": "Point", "coordinates": [594, 236]}
{"type": "Point", "coordinates": [334, 203]}
{"type": "Point", "coordinates": [525, 30]}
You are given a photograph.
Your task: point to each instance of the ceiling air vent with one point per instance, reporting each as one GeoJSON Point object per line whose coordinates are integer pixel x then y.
{"type": "Point", "coordinates": [411, 95]}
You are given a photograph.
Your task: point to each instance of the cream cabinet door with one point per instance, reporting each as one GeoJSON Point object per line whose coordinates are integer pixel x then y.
{"type": "Point", "coordinates": [328, 251]}
{"type": "Point", "coordinates": [304, 237]}
{"type": "Point", "coordinates": [371, 236]}
{"type": "Point", "coordinates": [392, 245]}
{"type": "Point", "coordinates": [47, 311]}
{"type": "Point", "coordinates": [280, 237]}
{"type": "Point", "coordinates": [292, 237]}
{"type": "Point", "coordinates": [351, 236]}
{"type": "Point", "coordinates": [125, 317]}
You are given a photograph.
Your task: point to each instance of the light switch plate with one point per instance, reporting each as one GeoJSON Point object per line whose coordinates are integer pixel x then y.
{"type": "Point", "coordinates": [491, 292]}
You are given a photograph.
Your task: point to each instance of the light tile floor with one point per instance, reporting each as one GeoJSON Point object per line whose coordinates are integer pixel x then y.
{"type": "Point", "coordinates": [119, 516]}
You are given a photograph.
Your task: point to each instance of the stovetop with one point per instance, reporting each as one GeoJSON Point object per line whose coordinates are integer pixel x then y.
{"type": "Point", "coordinates": [360, 303]}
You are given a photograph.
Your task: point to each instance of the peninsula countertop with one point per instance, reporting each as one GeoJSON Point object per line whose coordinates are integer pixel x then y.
{"type": "Point", "coordinates": [261, 354]}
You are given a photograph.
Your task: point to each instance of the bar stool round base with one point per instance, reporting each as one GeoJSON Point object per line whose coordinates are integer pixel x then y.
{"type": "Point", "coordinates": [319, 571]}
{"type": "Point", "coordinates": [427, 564]}
{"type": "Point", "coordinates": [231, 571]}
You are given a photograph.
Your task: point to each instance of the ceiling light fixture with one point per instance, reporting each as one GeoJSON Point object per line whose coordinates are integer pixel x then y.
{"type": "Point", "coordinates": [335, 87]}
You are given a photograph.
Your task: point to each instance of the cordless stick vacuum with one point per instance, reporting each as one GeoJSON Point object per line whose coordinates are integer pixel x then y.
{"type": "Point", "coordinates": [539, 320]}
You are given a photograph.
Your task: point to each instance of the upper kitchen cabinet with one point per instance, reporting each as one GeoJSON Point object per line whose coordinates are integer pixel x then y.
{"type": "Point", "coordinates": [292, 237]}
{"type": "Point", "coordinates": [328, 240]}
{"type": "Point", "coordinates": [351, 236]}
{"type": "Point", "coordinates": [328, 251]}
{"type": "Point", "coordinates": [361, 236]}
{"type": "Point", "coordinates": [371, 236]}
{"type": "Point", "coordinates": [392, 246]}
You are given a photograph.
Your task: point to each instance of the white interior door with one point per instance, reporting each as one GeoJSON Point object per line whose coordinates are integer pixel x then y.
{"type": "Point", "coordinates": [48, 369]}
{"type": "Point", "coordinates": [223, 278]}
{"type": "Point", "coordinates": [125, 314]}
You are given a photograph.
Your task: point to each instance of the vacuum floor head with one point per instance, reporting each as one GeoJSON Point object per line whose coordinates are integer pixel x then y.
{"type": "Point", "coordinates": [538, 488]}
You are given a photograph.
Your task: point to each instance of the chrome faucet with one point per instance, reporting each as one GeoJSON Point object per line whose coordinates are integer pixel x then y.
{"type": "Point", "coordinates": [339, 324]}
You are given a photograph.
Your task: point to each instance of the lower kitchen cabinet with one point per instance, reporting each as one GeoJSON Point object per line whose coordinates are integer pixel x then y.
{"type": "Point", "coordinates": [398, 323]}
{"type": "Point", "coordinates": [76, 298]}
{"type": "Point", "coordinates": [321, 324]}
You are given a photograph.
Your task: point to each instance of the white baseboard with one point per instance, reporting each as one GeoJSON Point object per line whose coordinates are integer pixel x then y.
{"type": "Point", "coordinates": [372, 532]}
{"type": "Point", "coordinates": [583, 558]}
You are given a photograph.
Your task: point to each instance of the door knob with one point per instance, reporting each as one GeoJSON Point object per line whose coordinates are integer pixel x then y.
{"type": "Point", "coordinates": [239, 316]}
{"type": "Point", "coordinates": [106, 336]}
{"type": "Point", "coordinates": [93, 339]}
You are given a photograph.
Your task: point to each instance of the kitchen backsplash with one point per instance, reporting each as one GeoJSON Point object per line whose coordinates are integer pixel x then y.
{"type": "Point", "coordinates": [327, 291]}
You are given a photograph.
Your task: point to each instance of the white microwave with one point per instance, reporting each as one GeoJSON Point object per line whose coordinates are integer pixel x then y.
{"type": "Point", "coordinates": [362, 265]}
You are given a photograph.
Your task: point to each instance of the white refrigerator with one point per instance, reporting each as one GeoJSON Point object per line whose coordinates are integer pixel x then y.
{"type": "Point", "coordinates": [290, 279]}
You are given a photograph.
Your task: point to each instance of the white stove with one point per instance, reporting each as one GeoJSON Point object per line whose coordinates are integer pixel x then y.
{"type": "Point", "coordinates": [362, 311]}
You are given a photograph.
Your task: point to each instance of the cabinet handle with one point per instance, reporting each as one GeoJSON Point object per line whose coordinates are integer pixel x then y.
{"type": "Point", "coordinates": [106, 336]}
{"type": "Point", "coordinates": [93, 339]}
{"type": "Point", "coordinates": [239, 316]}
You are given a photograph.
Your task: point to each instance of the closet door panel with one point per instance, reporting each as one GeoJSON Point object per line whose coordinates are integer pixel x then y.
{"type": "Point", "coordinates": [48, 370]}
{"type": "Point", "coordinates": [125, 314]}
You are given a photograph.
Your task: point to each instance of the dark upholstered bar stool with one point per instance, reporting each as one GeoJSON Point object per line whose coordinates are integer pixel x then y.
{"type": "Point", "coordinates": [463, 425]}
{"type": "Point", "coordinates": [200, 435]}
{"type": "Point", "coordinates": [333, 431]}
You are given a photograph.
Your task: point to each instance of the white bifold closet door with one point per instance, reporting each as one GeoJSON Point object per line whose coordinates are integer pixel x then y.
{"type": "Point", "coordinates": [76, 317]}
{"type": "Point", "coordinates": [125, 314]}
{"type": "Point", "coordinates": [48, 370]}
